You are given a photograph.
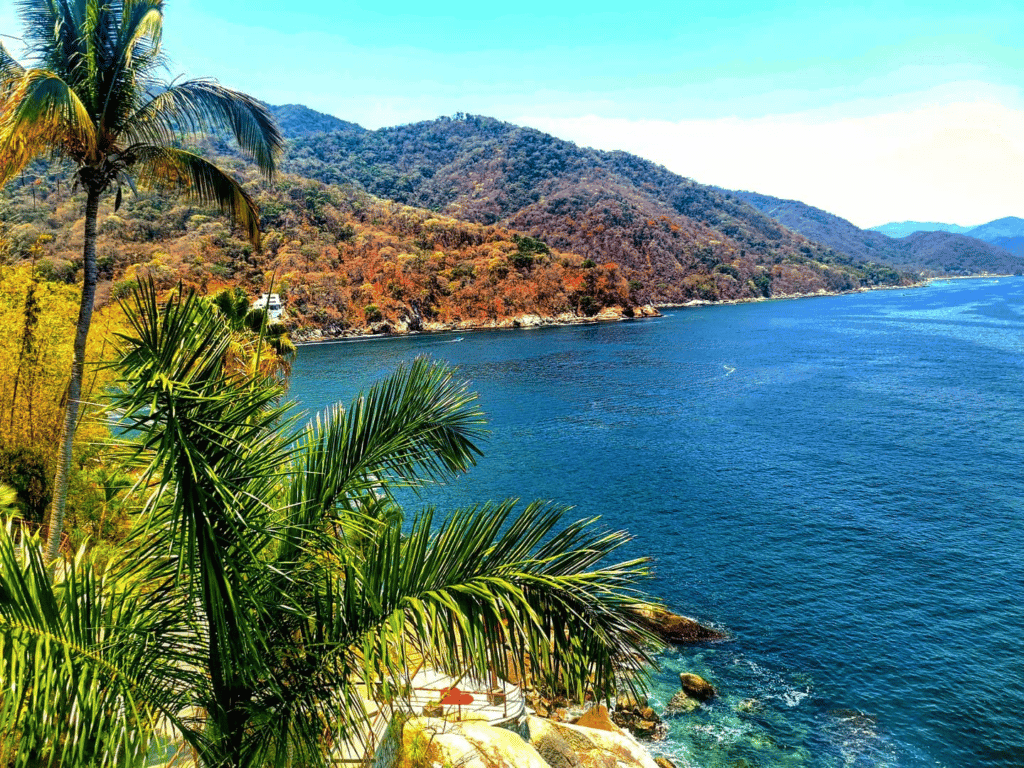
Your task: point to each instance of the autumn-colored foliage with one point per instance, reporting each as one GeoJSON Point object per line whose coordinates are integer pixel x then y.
{"type": "Point", "coordinates": [340, 258]}
{"type": "Point", "coordinates": [676, 239]}
{"type": "Point", "coordinates": [38, 316]}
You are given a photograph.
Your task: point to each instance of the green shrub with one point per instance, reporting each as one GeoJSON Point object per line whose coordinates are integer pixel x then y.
{"type": "Point", "coordinates": [25, 470]}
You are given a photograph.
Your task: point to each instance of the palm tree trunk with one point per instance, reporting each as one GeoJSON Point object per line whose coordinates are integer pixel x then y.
{"type": "Point", "coordinates": [67, 438]}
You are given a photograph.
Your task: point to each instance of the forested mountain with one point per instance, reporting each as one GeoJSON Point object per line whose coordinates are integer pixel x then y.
{"type": "Point", "coordinates": [674, 239]}
{"type": "Point", "coordinates": [342, 259]}
{"type": "Point", "coordinates": [905, 228]}
{"type": "Point", "coordinates": [295, 120]}
{"type": "Point", "coordinates": [1007, 233]}
{"type": "Point", "coordinates": [931, 253]}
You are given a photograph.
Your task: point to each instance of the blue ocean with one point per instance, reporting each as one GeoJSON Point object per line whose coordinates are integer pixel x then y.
{"type": "Point", "coordinates": [836, 482]}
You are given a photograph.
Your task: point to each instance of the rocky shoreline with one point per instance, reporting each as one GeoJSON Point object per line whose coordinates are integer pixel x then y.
{"type": "Point", "coordinates": [414, 326]}
{"type": "Point", "coordinates": [809, 295]}
{"type": "Point", "coordinates": [558, 734]}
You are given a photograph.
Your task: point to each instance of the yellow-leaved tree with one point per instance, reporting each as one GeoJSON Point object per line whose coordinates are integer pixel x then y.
{"type": "Point", "coordinates": [88, 94]}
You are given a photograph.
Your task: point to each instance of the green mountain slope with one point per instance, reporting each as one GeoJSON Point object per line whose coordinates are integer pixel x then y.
{"type": "Point", "coordinates": [674, 239]}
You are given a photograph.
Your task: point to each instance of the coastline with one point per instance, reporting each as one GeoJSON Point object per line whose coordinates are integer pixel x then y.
{"type": "Point", "coordinates": [303, 337]}
{"type": "Point", "coordinates": [529, 320]}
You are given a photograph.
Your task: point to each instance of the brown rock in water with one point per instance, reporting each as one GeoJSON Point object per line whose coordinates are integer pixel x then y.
{"type": "Point", "coordinates": [696, 686]}
{"type": "Point", "coordinates": [634, 714]}
{"type": "Point", "coordinates": [664, 762]}
{"type": "Point", "coordinates": [673, 628]}
{"type": "Point", "coordinates": [630, 701]}
{"type": "Point", "coordinates": [680, 704]}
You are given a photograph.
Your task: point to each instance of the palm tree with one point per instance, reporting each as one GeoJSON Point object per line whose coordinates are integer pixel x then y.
{"type": "Point", "coordinates": [264, 582]}
{"type": "Point", "coordinates": [233, 305]}
{"type": "Point", "coordinates": [89, 96]}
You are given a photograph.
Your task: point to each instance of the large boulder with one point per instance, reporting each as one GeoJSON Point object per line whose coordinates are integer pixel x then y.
{"type": "Point", "coordinates": [466, 744]}
{"type": "Point", "coordinates": [673, 628]}
{"type": "Point", "coordinates": [696, 687]}
{"type": "Point", "coordinates": [575, 746]}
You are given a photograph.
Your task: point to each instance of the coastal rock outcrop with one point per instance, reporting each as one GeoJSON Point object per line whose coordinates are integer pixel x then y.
{"type": "Point", "coordinates": [635, 714]}
{"type": "Point", "coordinates": [466, 744]}
{"type": "Point", "coordinates": [597, 717]}
{"type": "Point", "coordinates": [673, 628]}
{"type": "Point", "coordinates": [469, 744]}
{"type": "Point", "coordinates": [680, 704]}
{"type": "Point", "coordinates": [575, 746]}
{"type": "Point", "coordinates": [696, 687]}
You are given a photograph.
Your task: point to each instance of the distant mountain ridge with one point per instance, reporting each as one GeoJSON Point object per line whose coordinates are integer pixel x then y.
{"type": "Point", "coordinates": [905, 228]}
{"type": "Point", "coordinates": [295, 120]}
{"type": "Point", "coordinates": [1006, 233]}
{"type": "Point", "coordinates": [675, 240]}
{"type": "Point", "coordinates": [931, 253]}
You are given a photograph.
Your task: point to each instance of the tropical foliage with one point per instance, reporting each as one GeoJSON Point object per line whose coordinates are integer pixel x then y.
{"type": "Point", "coordinates": [267, 578]}
{"type": "Point", "coordinates": [35, 356]}
{"type": "Point", "coordinates": [88, 97]}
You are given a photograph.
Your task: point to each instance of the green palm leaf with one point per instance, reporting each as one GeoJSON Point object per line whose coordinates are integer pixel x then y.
{"type": "Point", "coordinates": [90, 663]}
{"type": "Point", "coordinates": [418, 425]}
{"type": "Point", "coordinates": [177, 171]}
{"type": "Point", "coordinates": [492, 588]}
{"type": "Point", "coordinates": [203, 106]}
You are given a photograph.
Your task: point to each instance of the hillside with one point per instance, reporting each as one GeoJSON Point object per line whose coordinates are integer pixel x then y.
{"type": "Point", "coordinates": [1006, 233]}
{"type": "Point", "coordinates": [343, 260]}
{"type": "Point", "coordinates": [931, 253]}
{"type": "Point", "coordinates": [295, 120]}
{"type": "Point", "coordinates": [675, 240]}
{"type": "Point", "coordinates": [904, 228]}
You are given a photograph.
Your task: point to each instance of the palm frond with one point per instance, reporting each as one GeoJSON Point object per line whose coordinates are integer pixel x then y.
{"type": "Point", "coordinates": [493, 588]}
{"type": "Point", "coordinates": [418, 425]}
{"type": "Point", "coordinates": [89, 664]}
{"type": "Point", "coordinates": [10, 69]}
{"type": "Point", "coordinates": [175, 170]}
{"type": "Point", "coordinates": [131, 49]}
{"type": "Point", "coordinates": [51, 32]}
{"type": "Point", "coordinates": [42, 113]}
{"type": "Point", "coordinates": [201, 106]}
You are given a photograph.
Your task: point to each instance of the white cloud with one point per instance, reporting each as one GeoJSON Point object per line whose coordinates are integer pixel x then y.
{"type": "Point", "coordinates": [958, 161]}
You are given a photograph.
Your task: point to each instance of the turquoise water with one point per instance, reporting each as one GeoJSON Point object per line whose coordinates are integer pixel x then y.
{"type": "Point", "coordinates": [835, 481]}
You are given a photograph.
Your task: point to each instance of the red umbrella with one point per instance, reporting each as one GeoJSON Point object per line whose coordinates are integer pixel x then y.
{"type": "Point", "coordinates": [450, 696]}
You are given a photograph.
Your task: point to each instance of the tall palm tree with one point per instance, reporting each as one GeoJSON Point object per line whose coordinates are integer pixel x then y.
{"type": "Point", "coordinates": [89, 95]}
{"type": "Point", "coordinates": [262, 586]}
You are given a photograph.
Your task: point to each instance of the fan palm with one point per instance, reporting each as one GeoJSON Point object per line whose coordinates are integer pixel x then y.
{"type": "Point", "coordinates": [265, 580]}
{"type": "Point", "coordinates": [89, 96]}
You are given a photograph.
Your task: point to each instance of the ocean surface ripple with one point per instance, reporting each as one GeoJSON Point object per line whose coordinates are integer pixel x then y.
{"type": "Point", "coordinates": [835, 481]}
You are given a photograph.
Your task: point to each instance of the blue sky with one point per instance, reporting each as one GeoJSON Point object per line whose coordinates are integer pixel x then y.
{"type": "Point", "coordinates": [876, 111]}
